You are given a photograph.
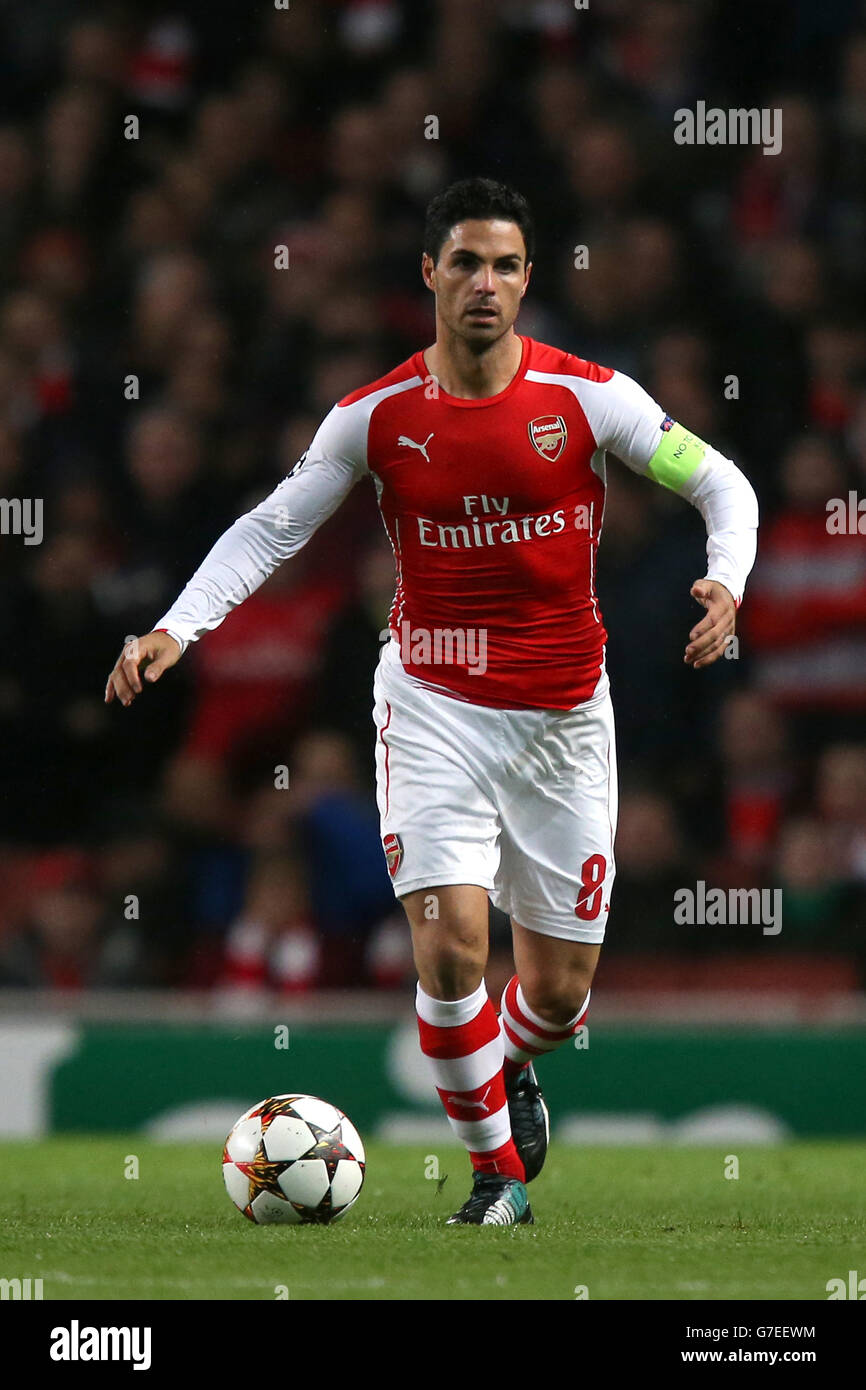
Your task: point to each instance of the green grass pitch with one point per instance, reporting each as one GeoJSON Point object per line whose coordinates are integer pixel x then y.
{"type": "Point", "coordinates": [654, 1223]}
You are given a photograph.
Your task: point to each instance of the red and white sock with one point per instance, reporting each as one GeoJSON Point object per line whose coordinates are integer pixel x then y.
{"type": "Point", "coordinates": [462, 1039]}
{"type": "Point", "coordinates": [525, 1035]}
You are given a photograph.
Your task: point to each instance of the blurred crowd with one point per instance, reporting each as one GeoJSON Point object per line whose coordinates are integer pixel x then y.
{"type": "Point", "coordinates": [159, 374]}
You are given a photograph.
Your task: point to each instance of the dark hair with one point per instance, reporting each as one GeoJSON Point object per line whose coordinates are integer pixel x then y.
{"type": "Point", "coordinates": [475, 198]}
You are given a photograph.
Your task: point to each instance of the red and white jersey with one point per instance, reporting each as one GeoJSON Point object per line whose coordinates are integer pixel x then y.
{"type": "Point", "coordinates": [494, 511]}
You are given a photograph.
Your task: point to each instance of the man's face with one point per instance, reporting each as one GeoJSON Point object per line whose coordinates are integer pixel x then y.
{"type": "Point", "coordinates": [479, 279]}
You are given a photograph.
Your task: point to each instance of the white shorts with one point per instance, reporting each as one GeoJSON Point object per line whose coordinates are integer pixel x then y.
{"type": "Point", "coordinates": [521, 802]}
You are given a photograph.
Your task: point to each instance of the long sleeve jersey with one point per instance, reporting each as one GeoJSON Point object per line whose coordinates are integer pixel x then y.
{"type": "Point", "coordinates": [494, 511]}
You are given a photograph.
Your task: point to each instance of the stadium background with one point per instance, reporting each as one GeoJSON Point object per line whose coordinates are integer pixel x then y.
{"type": "Point", "coordinates": [164, 906]}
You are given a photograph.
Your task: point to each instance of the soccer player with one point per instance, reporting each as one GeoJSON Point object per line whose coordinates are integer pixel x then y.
{"type": "Point", "coordinates": [495, 758]}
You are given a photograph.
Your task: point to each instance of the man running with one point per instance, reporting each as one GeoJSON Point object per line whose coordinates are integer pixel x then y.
{"type": "Point", "coordinates": [495, 756]}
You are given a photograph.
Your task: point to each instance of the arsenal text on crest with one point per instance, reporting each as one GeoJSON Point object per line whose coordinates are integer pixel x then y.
{"type": "Point", "coordinates": [548, 434]}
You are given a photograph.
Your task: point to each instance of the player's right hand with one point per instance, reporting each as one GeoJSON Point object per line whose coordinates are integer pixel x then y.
{"type": "Point", "coordinates": [150, 656]}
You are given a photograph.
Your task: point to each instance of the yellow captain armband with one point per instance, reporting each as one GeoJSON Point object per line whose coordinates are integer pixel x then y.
{"type": "Point", "coordinates": [677, 456]}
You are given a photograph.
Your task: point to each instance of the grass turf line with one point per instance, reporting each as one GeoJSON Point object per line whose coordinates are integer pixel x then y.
{"type": "Point", "coordinates": [634, 1223]}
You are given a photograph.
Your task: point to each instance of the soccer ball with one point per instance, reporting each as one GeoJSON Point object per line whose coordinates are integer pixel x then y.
{"type": "Point", "coordinates": [293, 1159]}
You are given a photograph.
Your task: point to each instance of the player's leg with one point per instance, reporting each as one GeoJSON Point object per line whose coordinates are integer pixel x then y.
{"type": "Point", "coordinates": [540, 1014]}
{"type": "Point", "coordinates": [449, 938]}
{"type": "Point", "coordinates": [460, 1036]}
{"type": "Point", "coordinates": [556, 875]}
{"type": "Point", "coordinates": [547, 999]}
{"type": "Point", "coordinates": [440, 833]}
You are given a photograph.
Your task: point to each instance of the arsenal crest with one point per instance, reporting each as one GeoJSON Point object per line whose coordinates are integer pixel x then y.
{"type": "Point", "coordinates": [548, 435]}
{"type": "Point", "coordinates": [393, 847]}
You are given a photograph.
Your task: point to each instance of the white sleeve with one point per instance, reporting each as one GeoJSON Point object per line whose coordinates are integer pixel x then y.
{"type": "Point", "coordinates": [626, 420]}
{"type": "Point", "coordinates": [258, 542]}
{"type": "Point", "coordinates": [726, 500]}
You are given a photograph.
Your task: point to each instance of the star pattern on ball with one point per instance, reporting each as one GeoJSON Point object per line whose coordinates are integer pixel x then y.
{"type": "Point", "coordinates": [262, 1174]}
{"type": "Point", "coordinates": [329, 1147]}
{"type": "Point", "coordinates": [271, 1108]}
{"type": "Point", "coordinates": [305, 1171]}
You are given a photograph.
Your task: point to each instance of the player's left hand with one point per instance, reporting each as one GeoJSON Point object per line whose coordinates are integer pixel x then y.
{"type": "Point", "coordinates": [707, 640]}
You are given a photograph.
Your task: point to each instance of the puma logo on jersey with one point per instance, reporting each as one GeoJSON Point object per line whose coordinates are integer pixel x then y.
{"type": "Point", "coordinates": [410, 443]}
{"type": "Point", "coordinates": [473, 1104]}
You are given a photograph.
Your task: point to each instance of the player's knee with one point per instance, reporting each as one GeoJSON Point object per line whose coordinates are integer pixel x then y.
{"type": "Point", "coordinates": [453, 972]}
{"type": "Point", "coordinates": [450, 962]}
{"type": "Point", "coordinates": [557, 1001]}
